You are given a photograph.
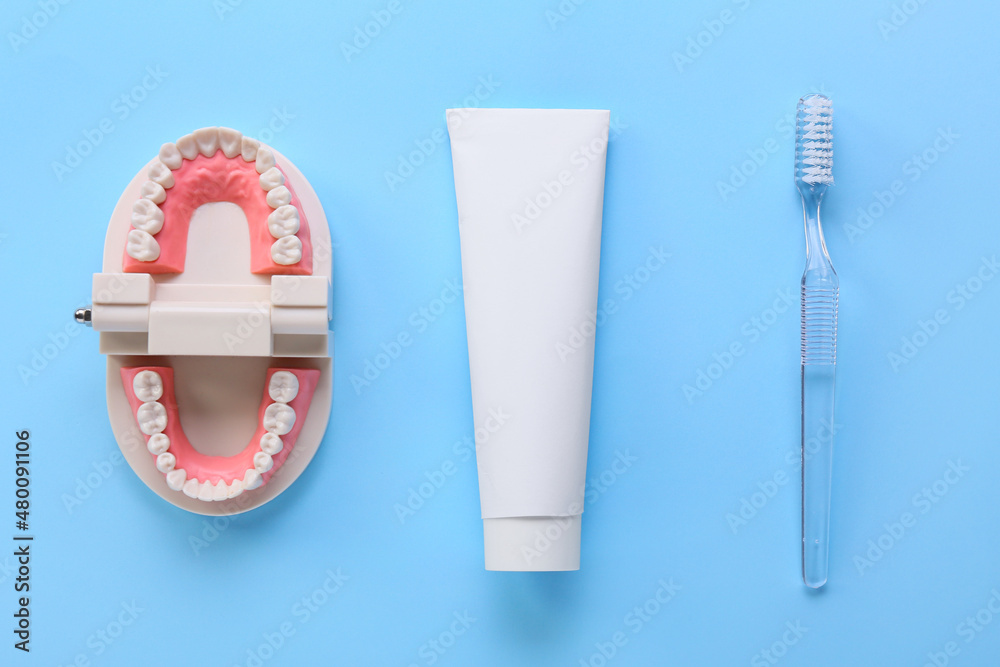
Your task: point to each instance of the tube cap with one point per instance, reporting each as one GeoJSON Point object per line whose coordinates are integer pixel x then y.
{"type": "Point", "coordinates": [532, 543]}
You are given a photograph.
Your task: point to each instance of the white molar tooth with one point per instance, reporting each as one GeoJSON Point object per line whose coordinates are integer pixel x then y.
{"type": "Point", "coordinates": [279, 418]}
{"type": "Point", "coordinates": [271, 444]}
{"type": "Point", "coordinates": [271, 179]}
{"type": "Point", "coordinates": [187, 146]}
{"type": "Point", "coordinates": [206, 490]}
{"type": "Point", "coordinates": [143, 247]}
{"type": "Point", "coordinates": [220, 491]}
{"type": "Point", "coordinates": [284, 387]}
{"type": "Point", "coordinates": [279, 196]}
{"type": "Point", "coordinates": [283, 221]}
{"type": "Point", "coordinates": [207, 139]}
{"type": "Point", "coordinates": [251, 480]}
{"type": "Point", "coordinates": [152, 418]}
{"type": "Point", "coordinates": [148, 386]}
{"type": "Point", "coordinates": [262, 462]}
{"type": "Point", "coordinates": [176, 479]}
{"type": "Point", "coordinates": [170, 156]}
{"type": "Point", "coordinates": [147, 216]}
{"type": "Point", "coordinates": [230, 141]}
{"type": "Point", "coordinates": [235, 489]}
{"type": "Point", "coordinates": [154, 192]}
{"type": "Point", "coordinates": [158, 444]}
{"type": "Point", "coordinates": [191, 488]}
{"type": "Point", "coordinates": [287, 250]}
{"type": "Point", "coordinates": [248, 148]}
{"type": "Point", "coordinates": [166, 462]}
{"type": "Point", "coordinates": [265, 159]}
{"type": "Point", "coordinates": [161, 174]}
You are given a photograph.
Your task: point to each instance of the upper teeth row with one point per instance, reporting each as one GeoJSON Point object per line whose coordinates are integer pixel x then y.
{"type": "Point", "coordinates": [279, 418]}
{"type": "Point", "coordinates": [147, 218]}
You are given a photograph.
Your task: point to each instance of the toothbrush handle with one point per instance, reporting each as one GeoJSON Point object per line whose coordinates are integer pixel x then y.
{"type": "Point", "coordinates": [819, 368]}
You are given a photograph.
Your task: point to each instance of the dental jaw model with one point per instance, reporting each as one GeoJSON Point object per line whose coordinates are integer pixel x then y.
{"type": "Point", "coordinates": [219, 377]}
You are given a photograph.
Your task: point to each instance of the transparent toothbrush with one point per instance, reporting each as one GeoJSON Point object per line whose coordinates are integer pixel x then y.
{"type": "Point", "coordinates": [820, 292]}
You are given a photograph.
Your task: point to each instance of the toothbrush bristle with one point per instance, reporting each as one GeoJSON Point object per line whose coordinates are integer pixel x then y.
{"type": "Point", "coordinates": [814, 141]}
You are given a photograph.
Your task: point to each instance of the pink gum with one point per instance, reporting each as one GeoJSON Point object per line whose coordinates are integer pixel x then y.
{"type": "Point", "coordinates": [220, 179]}
{"type": "Point", "coordinates": [213, 468]}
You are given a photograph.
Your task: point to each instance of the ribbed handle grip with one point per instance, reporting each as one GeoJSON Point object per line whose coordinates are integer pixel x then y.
{"type": "Point", "coordinates": [819, 325]}
{"type": "Point", "coordinates": [819, 359]}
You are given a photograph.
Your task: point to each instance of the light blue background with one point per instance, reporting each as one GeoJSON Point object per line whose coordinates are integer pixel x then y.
{"type": "Point", "coordinates": [684, 130]}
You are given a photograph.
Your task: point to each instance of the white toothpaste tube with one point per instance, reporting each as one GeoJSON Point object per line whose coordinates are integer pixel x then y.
{"type": "Point", "coordinates": [530, 191]}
